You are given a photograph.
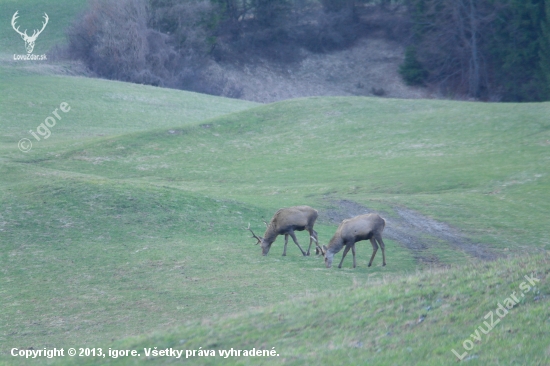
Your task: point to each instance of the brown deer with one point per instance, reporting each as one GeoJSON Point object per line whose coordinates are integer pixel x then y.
{"type": "Point", "coordinates": [350, 231]}
{"type": "Point", "coordinates": [285, 222]}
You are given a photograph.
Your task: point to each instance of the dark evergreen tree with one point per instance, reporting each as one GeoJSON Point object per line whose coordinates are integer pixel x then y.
{"type": "Point", "coordinates": [544, 53]}
{"type": "Point", "coordinates": [337, 5]}
{"type": "Point", "coordinates": [412, 71]}
{"type": "Point", "coordinates": [515, 50]}
{"type": "Point", "coordinates": [270, 13]}
{"type": "Point", "coordinates": [482, 48]}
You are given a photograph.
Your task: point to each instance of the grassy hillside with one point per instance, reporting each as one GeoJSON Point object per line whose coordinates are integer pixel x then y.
{"type": "Point", "coordinates": [395, 320]}
{"type": "Point", "coordinates": [128, 220]}
{"type": "Point", "coordinates": [482, 168]}
{"type": "Point", "coordinates": [98, 108]}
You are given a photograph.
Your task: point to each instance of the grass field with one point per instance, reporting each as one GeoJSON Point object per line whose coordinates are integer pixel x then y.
{"type": "Point", "coordinates": [414, 319]}
{"type": "Point", "coordinates": [129, 218]}
{"type": "Point", "coordinates": [124, 229]}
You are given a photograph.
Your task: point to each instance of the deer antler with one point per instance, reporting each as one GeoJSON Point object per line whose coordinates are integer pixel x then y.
{"type": "Point", "coordinates": [13, 19]}
{"type": "Point", "coordinates": [254, 235]}
{"type": "Point", "coordinates": [318, 249]}
{"type": "Point", "coordinates": [35, 34]}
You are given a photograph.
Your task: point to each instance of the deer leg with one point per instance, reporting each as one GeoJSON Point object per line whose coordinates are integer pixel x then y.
{"type": "Point", "coordinates": [310, 240]}
{"type": "Point", "coordinates": [312, 237]}
{"type": "Point", "coordinates": [353, 252]}
{"type": "Point", "coordinates": [293, 236]}
{"type": "Point", "coordinates": [374, 249]}
{"type": "Point", "coordinates": [383, 247]}
{"type": "Point", "coordinates": [344, 255]}
{"type": "Point", "coordinates": [286, 242]}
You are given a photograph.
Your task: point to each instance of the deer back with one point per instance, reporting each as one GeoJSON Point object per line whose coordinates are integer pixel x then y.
{"type": "Point", "coordinates": [363, 227]}
{"type": "Point", "coordinates": [291, 218]}
{"type": "Point", "coordinates": [352, 230]}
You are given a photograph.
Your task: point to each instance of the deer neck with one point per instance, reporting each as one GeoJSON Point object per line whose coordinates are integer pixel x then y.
{"type": "Point", "coordinates": [335, 244]}
{"type": "Point", "coordinates": [270, 235]}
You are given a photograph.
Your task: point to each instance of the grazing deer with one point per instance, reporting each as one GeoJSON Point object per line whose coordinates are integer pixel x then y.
{"type": "Point", "coordinates": [29, 40]}
{"type": "Point", "coordinates": [285, 222]}
{"type": "Point", "coordinates": [350, 231]}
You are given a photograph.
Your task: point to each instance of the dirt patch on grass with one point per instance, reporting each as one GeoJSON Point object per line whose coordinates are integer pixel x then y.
{"type": "Point", "coordinates": [412, 230]}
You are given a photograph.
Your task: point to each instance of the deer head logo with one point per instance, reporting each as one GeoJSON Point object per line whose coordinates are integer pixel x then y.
{"type": "Point", "coordinates": [29, 40]}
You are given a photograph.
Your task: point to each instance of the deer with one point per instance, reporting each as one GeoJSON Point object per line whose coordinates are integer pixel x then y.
{"type": "Point", "coordinates": [285, 222]}
{"type": "Point", "coordinates": [29, 41]}
{"type": "Point", "coordinates": [350, 231]}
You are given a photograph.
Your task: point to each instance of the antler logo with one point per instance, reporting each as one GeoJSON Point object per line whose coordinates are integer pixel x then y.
{"type": "Point", "coordinates": [29, 41]}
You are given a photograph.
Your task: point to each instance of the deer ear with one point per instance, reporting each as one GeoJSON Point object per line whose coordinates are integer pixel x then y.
{"type": "Point", "coordinates": [324, 250]}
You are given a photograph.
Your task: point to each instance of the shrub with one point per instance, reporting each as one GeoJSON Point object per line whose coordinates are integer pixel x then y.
{"type": "Point", "coordinates": [411, 70]}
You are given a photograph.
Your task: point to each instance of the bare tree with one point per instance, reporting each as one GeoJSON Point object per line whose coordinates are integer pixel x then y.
{"type": "Point", "coordinates": [111, 38]}
{"type": "Point", "coordinates": [452, 48]}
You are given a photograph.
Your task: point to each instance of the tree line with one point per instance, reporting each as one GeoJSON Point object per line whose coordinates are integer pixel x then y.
{"type": "Point", "coordinates": [482, 49]}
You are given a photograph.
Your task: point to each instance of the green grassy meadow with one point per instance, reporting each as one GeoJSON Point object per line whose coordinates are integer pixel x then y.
{"type": "Point", "coordinates": [125, 228]}
{"type": "Point", "coordinates": [108, 235]}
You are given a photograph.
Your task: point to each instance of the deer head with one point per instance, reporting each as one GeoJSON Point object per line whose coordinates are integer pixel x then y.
{"type": "Point", "coordinates": [264, 244]}
{"type": "Point", "coordinates": [254, 235]}
{"type": "Point", "coordinates": [29, 40]}
{"type": "Point", "coordinates": [329, 256]}
{"type": "Point", "coordinates": [323, 250]}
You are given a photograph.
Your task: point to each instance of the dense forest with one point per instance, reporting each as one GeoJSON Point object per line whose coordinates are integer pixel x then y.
{"type": "Point", "coordinates": [496, 50]}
